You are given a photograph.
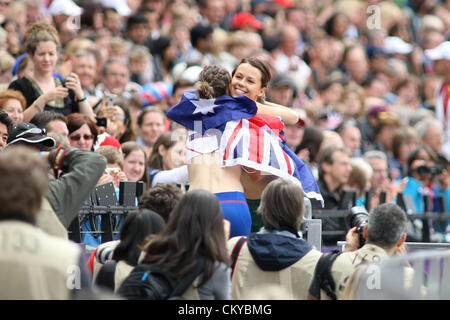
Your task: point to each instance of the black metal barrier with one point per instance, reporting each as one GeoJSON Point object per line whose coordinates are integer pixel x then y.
{"type": "Point", "coordinates": [103, 202]}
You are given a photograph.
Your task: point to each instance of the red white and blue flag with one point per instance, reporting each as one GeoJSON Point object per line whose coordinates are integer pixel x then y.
{"type": "Point", "coordinates": [256, 142]}
{"type": "Point", "coordinates": [201, 115]}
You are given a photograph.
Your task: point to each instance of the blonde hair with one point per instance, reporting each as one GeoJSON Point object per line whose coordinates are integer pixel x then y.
{"type": "Point", "coordinates": [6, 62]}
{"type": "Point", "coordinates": [236, 39]}
{"type": "Point", "coordinates": [112, 155]}
{"type": "Point", "coordinates": [116, 45]}
{"type": "Point", "coordinates": [75, 45]}
{"type": "Point", "coordinates": [390, 14]}
{"type": "Point", "coordinates": [40, 32]}
{"type": "Point", "coordinates": [361, 174]}
{"type": "Point", "coordinates": [139, 53]}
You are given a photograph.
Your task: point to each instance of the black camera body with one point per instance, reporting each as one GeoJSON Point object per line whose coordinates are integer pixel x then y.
{"type": "Point", "coordinates": [421, 170]}
{"type": "Point", "coordinates": [358, 217]}
{"type": "Point", "coordinates": [101, 122]}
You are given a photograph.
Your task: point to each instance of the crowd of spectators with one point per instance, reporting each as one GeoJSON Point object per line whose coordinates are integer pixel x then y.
{"type": "Point", "coordinates": [369, 81]}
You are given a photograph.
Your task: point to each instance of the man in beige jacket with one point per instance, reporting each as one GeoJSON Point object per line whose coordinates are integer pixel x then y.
{"type": "Point", "coordinates": [384, 235]}
{"type": "Point", "coordinates": [33, 264]}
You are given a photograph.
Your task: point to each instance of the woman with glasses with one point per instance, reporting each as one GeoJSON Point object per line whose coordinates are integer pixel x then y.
{"type": "Point", "coordinates": [82, 131]}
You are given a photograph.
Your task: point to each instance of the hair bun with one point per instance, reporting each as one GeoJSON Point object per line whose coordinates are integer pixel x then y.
{"type": "Point", "coordinates": [204, 90]}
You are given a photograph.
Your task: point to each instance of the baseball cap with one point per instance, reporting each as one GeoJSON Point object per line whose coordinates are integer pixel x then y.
{"type": "Point", "coordinates": [120, 6]}
{"type": "Point", "coordinates": [245, 19]}
{"type": "Point", "coordinates": [397, 45]}
{"type": "Point", "coordinates": [29, 133]}
{"type": "Point", "coordinates": [441, 52]}
{"type": "Point", "coordinates": [374, 111]}
{"type": "Point", "coordinates": [108, 140]}
{"type": "Point", "coordinates": [281, 79]}
{"type": "Point", "coordinates": [66, 7]}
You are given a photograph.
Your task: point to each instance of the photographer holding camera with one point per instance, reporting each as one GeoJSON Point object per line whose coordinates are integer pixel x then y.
{"type": "Point", "coordinates": [426, 177]}
{"type": "Point", "coordinates": [383, 231]}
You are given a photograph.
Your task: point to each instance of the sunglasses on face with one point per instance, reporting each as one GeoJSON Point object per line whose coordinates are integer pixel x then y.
{"type": "Point", "coordinates": [77, 137]}
{"type": "Point", "coordinates": [33, 131]}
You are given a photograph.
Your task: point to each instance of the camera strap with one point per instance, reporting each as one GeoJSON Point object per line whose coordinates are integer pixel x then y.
{"type": "Point", "coordinates": [323, 277]}
{"type": "Point", "coordinates": [235, 253]}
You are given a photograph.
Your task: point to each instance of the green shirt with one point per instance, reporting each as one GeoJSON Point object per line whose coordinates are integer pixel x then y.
{"type": "Point", "coordinates": [256, 217]}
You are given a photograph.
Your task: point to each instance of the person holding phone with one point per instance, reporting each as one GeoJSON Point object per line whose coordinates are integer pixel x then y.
{"type": "Point", "coordinates": [43, 90]}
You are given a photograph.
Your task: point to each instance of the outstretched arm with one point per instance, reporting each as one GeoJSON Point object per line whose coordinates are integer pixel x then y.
{"type": "Point", "coordinates": [272, 109]}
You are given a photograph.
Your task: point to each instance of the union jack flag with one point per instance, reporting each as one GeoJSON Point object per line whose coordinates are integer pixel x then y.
{"type": "Point", "coordinates": [259, 143]}
{"type": "Point", "coordinates": [229, 125]}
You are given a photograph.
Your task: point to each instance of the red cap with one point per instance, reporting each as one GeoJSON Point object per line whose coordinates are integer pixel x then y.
{"type": "Point", "coordinates": [285, 3]}
{"type": "Point", "coordinates": [243, 19]}
{"type": "Point", "coordinates": [111, 141]}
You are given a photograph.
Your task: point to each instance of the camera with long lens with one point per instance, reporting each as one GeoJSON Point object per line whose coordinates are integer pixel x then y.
{"type": "Point", "coordinates": [435, 170]}
{"type": "Point", "coordinates": [358, 217]}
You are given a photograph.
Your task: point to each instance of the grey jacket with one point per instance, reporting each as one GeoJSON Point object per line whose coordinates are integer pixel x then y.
{"type": "Point", "coordinates": [66, 195]}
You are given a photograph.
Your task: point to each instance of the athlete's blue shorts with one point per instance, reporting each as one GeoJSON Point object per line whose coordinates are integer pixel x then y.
{"type": "Point", "coordinates": [235, 209]}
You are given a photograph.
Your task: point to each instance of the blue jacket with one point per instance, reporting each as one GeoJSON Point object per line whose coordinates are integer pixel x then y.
{"type": "Point", "coordinates": [274, 251]}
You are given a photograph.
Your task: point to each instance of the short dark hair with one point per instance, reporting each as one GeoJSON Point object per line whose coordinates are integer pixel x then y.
{"type": "Point", "coordinates": [161, 198]}
{"type": "Point", "coordinates": [42, 119]}
{"type": "Point", "coordinates": [200, 31]}
{"type": "Point", "coordinates": [6, 120]}
{"type": "Point", "coordinates": [327, 156]}
{"type": "Point", "coordinates": [282, 205]}
{"type": "Point", "coordinates": [136, 19]}
{"type": "Point", "coordinates": [387, 223]}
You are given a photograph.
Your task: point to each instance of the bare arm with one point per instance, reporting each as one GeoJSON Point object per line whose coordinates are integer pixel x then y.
{"type": "Point", "coordinates": [272, 109]}
{"type": "Point", "coordinates": [73, 83]}
{"type": "Point", "coordinates": [39, 104]}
